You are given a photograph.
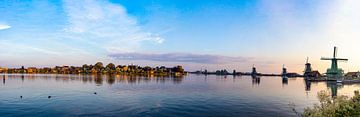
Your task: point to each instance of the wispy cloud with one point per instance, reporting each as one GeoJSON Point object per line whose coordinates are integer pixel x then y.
{"type": "Point", "coordinates": [105, 25]}
{"type": "Point", "coordinates": [180, 57]}
{"type": "Point", "coordinates": [4, 26]}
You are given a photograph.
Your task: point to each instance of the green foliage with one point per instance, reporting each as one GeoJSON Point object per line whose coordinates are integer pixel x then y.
{"type": "Point", "coordinates": [99, 69]}
{"type": "Point", "coordinates": [110, 66]}
{"type": "Point", "coordinates": [341, 106]}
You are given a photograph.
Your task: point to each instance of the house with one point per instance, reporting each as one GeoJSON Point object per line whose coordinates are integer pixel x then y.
{"type": "Point", "coordinates": [315, 74]}
{"type": "Point", "coordinates": [293, 75]}
{"type": "Point", "coordinates": [353, 74]}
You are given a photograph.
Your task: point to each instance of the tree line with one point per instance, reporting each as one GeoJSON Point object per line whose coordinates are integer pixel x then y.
{"type": "Point", "coordinates": [99, 68]}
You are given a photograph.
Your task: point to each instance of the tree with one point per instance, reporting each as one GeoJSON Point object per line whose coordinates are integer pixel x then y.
{"type": "Point", "coordinates": [111, 66]}
{"type": "Point", "coordinates": [99, 67]}
{"type": "Point", "coordinates": [178, 69]}
{"type": "Point", "coordinates": [85, 68]}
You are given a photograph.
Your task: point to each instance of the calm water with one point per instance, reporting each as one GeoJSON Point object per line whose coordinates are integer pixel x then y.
{"type": "Point", "coordinates": [193, 95]}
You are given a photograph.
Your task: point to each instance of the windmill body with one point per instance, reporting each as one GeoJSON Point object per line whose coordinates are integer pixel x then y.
{"type": "Point", "coordinates": [334, 71]}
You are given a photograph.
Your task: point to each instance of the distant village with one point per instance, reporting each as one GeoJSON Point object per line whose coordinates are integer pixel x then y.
{"type": "Point", "coordinates": [99, 68]}
{"type": "Point", "coordinates": [308, 73]}
{"type": "Point", "coordinates": [334, 73]}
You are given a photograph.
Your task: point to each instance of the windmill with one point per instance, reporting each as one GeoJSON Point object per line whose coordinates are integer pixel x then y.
{"type": "Point", "coordinates": [334, 71]}
{"type": "Point", "coordinates": [308, 70]}
{"type": "Point", "coordinates": [253, 72]}
{"type": "Point", "coordinates": [284, 71]}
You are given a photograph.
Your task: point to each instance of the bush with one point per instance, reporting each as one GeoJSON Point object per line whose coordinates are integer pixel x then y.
{"type": "Point", "coordinates": [340, 106]}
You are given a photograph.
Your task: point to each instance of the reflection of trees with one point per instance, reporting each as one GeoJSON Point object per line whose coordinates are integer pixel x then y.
{"type": "Point", "coordinates": [85, 79]}
{"type": "Point", "coordinates": [111, 79]}
{"type": "Point", "coordinates": [121, 79]}
{"type": "Point", "coordinates": [132, 79]}
{"type": "Point", "coordinates": [3, 79]}
{"type": "Point", "coordinates": [98, 79]}
{"type": "Point", "coordinates": [177, 79]}
{"type": "Point", "coordinates": [160, 79]}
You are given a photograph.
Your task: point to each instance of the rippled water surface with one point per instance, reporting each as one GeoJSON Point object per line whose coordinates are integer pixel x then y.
{"type": "Point", "coordinates": [192, 95]}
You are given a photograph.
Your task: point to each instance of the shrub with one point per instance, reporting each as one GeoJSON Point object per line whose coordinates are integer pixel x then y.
{"type": "Point", "coordinates": [340, 106]}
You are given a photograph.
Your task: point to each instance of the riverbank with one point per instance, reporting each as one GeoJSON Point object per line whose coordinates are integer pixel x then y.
{"type": "Point", "coordinates": [323, 79]}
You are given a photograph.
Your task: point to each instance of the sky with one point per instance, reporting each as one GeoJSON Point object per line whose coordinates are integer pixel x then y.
{"type": "Point", "coordinates": [198, 34]}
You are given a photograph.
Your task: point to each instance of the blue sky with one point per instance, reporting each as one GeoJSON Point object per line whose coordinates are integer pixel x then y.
{"type": "Point", "coordinates": [198, 34]}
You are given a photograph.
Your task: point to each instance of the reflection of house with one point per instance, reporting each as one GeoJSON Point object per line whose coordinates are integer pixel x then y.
{"type": "Point", "coordinates": [353, 74]}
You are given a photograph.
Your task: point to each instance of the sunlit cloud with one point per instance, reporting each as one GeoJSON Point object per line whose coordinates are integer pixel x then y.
{"type": "Point", "coordinates": [105, 25]}
{"type": "Point", "coordinates": [4, 26]}
{"type": "Point", "coordinates": [180, 57]}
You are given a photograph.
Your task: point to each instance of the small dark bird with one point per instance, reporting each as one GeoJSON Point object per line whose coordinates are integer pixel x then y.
{"type": "Point", "coordinates": [49, 97]}
{"type": "Point", "coordinates": [21, 97]}
{"type": "Point", "coordinates": [95, 93]}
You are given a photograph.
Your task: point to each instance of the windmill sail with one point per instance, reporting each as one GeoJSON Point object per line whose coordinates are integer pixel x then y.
{"type": "Point", "coordinates": [335, 52]}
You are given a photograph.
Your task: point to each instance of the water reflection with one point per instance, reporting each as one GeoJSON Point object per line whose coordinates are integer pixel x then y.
{"type": "Point", "coordinates": [334, 87]}
{"type": "Point", "coordinates": [111, 79]}
{"type": "Point", "coordinates": [307, 85]}
{"type": "Point", "coordinates": [22, 77]}
{"type": "Point", "coordinates": [4, 79]}
{"type": "Point", "coordinates": [99, 79]}
{"type": "Point", "coordinates": [255, 80]}
{"type": "Point", "coordinates": [285, 81]}
{"type": "Point", "coordinates": [198, 94]}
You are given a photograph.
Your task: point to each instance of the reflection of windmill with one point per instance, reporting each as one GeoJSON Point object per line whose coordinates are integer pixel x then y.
{"type": "Point", "coordinates": [334, 71]}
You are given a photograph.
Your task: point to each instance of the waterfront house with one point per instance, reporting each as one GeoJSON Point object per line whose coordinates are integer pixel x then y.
{"type": "Point", "coordinates": [315, 74]}
{"type": "Point", "coordinates": [293, 75]}
{"type": "Point", "coordinates": [353, 74]}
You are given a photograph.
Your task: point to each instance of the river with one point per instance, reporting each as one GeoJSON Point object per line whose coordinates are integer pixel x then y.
{"type": "Point", "coordinates": [50, 95]}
